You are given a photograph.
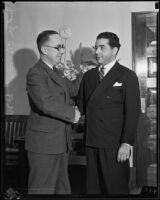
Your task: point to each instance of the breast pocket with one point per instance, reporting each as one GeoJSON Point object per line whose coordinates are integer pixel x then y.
{"type": "Point", "coordinates": [115, 94]}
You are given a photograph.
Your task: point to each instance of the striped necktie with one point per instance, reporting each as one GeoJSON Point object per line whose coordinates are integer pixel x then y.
{"type": "Point", "coordinates": [101, 73]}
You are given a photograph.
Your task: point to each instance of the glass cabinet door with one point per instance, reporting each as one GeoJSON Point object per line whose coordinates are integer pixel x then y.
{"type": "Point", "coordinates": [144, 38]}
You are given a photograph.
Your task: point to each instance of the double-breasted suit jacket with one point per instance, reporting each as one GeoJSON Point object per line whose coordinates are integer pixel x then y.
{"type": "Point", "coordinates": [49, 126]}
{"type": "Point", "coordinates": [111, 106]}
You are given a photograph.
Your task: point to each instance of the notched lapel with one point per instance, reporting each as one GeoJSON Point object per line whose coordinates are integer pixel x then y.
{"type": "Point", "coordinates": [52, 74]}
{"type": "Point", "coordinates": [107, 81]}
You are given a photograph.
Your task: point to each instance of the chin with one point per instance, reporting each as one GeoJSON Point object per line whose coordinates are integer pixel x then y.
{"type": "Point", "coordinates": [99, 61]}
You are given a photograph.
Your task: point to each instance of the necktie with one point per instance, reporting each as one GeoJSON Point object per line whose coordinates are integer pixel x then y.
{"type": "Point", "coordinates": [101, 73]}
{"type": "Point", "coordinates": [57, 71]}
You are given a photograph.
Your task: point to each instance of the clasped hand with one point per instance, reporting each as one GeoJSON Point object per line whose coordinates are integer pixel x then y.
{"type": "Point", "coordinates": [77, 115]}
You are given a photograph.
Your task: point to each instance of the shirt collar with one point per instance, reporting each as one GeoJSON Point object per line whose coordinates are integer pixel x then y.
{"type": "Point", "coordinates": [49, 65]}
{"type": "Point", "coordinates": [110, 65]}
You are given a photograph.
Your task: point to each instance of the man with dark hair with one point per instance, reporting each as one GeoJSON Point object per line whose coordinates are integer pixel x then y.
{"type": "Point", "coordinates": [110, 100]}
{"type": "Point", "coordinates": [48, 131]}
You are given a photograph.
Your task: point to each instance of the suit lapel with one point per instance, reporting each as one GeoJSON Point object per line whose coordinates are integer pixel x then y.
{"type": "Point", "coordinates": [52, 74]}
{"type": "Point", "coordinates": [107, 81]}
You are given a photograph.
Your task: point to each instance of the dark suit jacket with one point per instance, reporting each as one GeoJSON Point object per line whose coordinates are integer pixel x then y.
{"type": "Point", "coordinates": [111, 111]}
{"type": "Point", "coordinates": [49, 126]}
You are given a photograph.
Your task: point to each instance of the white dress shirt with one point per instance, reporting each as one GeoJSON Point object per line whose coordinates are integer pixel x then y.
{"type": "Point", "coordinates": [108, 66]}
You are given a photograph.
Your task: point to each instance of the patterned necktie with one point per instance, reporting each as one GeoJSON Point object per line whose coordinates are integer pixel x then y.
{"type": "Point", "coordinates": [101, 73]}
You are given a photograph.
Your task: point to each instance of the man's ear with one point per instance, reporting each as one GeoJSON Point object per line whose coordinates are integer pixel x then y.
{"type": "Point", "coordinates": [44, 50]}
{"type": "Point", "coordinates": [115, 50]}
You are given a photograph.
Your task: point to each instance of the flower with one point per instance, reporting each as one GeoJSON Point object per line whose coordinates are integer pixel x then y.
{"type": "Point", "coordinates": [87, 65]}
{"type": "Point", "coordinates": [84, 68]}
{"type": "Point", "coordinates": [68, 70]}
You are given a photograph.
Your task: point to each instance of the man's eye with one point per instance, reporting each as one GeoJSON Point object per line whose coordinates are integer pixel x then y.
{"type": "Point", "coordinates": [101, 48]}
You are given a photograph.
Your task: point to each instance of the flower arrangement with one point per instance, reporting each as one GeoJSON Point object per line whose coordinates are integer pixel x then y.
{"type": "Point", "coordinates": [70, 72]}
{"type": "Point", "coordinates": [67, 67]}
{"type": "Point", "coordinates": [86, 66]}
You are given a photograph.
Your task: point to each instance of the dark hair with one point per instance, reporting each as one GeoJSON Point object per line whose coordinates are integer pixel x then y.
{"type": "Point", "coordinates": [44, 37]}
{"type": "Point", "coordinates": [112, 38]}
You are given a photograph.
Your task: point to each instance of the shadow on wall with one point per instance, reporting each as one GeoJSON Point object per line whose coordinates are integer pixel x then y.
{"type": "Point", "coordinates": [23, 59]}
{"type": "Point", "coordinates": [17, 100]}
{"type": "Point", "coordinates": [83, 55]}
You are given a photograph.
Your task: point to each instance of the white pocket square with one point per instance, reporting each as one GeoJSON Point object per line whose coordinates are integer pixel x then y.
{"type": "Point", "coordinates": [117, 84]}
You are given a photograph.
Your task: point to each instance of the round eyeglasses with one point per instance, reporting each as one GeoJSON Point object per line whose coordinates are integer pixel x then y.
{"type": "Point", "coordinates": [58, 47]}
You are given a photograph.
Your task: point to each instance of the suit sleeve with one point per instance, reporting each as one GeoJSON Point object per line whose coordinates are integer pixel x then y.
{"type": "Point", "coordinates": [131, 109]}
{"type": "Point", "coordinates": [81, 96]}
{"type": "Point", "coordinates": [44, 100]}
{"type": "Point", "coordinates": [74, 85]}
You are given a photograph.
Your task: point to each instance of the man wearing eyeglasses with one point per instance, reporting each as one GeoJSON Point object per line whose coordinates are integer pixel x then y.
{"type": "Point", "coordinates": [48, 131]}
{"type": "Point", "coordinates": [110, 100]}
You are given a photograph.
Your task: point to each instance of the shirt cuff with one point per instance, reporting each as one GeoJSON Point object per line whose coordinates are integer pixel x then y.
{"type": "Point", "coordinates": [127, 144]}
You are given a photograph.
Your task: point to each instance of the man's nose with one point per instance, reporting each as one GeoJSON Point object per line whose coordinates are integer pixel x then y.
{"type": "Point", "coordinates": [98, 50]}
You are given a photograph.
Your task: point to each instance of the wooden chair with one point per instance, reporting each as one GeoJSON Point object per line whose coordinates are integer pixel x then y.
{"type": "Point", "coordinates": [14, 128]}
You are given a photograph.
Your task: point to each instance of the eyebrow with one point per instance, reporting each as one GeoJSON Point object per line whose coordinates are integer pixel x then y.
{"type": "Point", "coordinates": [100, 45]}
{"type": "Point", "coordinates": [55, 44]}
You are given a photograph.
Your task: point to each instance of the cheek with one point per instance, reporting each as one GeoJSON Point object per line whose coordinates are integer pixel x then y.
{"type": "Point", "coordinates": [54, 56]}
{"type": "Point", "coordinates": [106, 55]}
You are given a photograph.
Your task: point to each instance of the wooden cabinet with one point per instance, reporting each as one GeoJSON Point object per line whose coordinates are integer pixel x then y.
{"type": "Point", "coordinates": [144, 38]}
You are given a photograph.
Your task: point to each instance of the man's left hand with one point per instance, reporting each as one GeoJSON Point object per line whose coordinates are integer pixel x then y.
{"type": "Point", "coordinates": [124, 152]}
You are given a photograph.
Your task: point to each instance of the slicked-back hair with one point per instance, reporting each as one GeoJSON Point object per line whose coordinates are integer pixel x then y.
{"type": "Point", "coordinates": [44, 37]}
{"type": "Point", "coordinates": [112, 39]}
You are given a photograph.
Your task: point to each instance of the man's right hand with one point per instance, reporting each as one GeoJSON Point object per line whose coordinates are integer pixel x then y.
{"type": "Point", "coordinates": [77, 115]}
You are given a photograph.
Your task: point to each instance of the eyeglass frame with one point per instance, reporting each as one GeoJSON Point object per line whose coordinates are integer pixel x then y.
{"type": "Point", "coordinates": [58, 47]}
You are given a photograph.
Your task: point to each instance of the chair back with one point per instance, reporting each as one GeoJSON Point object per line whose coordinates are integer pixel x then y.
{"type": "Point", "coordinates": [14, 128]}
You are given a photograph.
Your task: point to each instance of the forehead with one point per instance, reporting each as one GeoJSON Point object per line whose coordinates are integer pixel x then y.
{"type": "Point", "coordinates": [102, 41]}
{"type": "Point", "coordinates": [54, 39]}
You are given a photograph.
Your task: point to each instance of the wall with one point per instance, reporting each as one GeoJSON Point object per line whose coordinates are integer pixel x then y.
{"type": "Point", "coordinates": [24, 20]}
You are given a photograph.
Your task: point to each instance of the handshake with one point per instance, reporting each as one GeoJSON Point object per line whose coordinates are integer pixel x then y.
{"type": "Point", "coordinates": [77, 115]}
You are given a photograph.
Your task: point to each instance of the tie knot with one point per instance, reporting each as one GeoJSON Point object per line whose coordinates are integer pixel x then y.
{"type": "Point", "coordinates": [101, 72]}
{"type": "Point", "coordinates": [57, 71]}
{"type": "Point", "coordinates": [54, 69]}
{"type": "Point", "coordinates": [102, 69]}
